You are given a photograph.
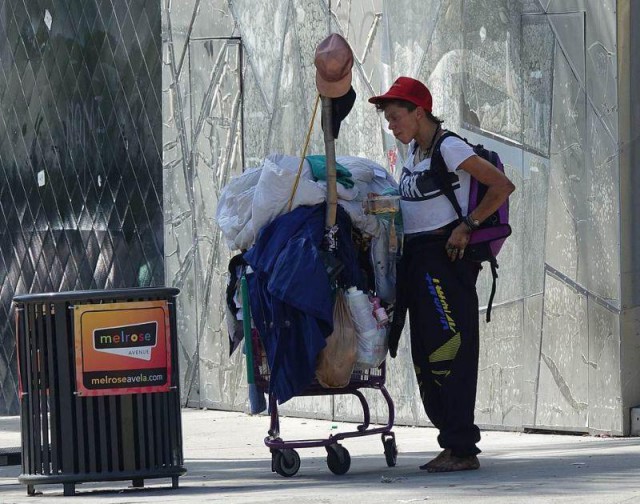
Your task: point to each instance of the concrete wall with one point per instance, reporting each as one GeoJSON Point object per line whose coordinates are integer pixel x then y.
{"type": "Point", "coordinates": [629, 121]}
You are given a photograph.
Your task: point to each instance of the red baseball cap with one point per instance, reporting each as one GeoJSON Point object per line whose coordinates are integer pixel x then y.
{"type": "Point", "coordinates": [407, 89]}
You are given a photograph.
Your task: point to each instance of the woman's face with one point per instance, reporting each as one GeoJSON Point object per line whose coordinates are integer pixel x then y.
{"type": "Point", "coordinates": [402, 123]}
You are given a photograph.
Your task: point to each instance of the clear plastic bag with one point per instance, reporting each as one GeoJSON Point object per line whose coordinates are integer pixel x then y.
{"type": "Point", "coordinates": [372, 348]}
{"type": "Point", "coordinates": [337, 359]}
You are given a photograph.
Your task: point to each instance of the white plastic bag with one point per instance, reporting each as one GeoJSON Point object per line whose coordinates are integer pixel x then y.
{"type": "Point", "coordinates": [273, 191]}
{"type": "Point", "coordinates": [372, 341]}
{"type": "Point", "coordinates": [361, 310]}
{"type": "Point", "coordinates": [233, 213]}
{"type": "Point", "coordinates": [372, 348]}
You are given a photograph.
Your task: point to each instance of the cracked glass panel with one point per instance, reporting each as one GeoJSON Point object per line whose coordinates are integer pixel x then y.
{"type": "Point", "coordinates": [563, 387]}
{"type": "Point", "coordinates": [263, 26]}
{"type": "Point", "coordinates": [531, 7]}
{"type": "Point", "coordinates": [178, 222]}
{"type": "Point", "coordinates": [412, 34]}
{"type": "Point", "coordinates": [535, 188]}
{"type": "Point", "coordinates": [256, 121]}
{"type": "Point", "coordinates": [215, 77]}
{"type": "Point", "coordinates": [212, 17]}
{"type": "Point", "coordinates": [567, 186]}
{"type": "Point", "coordinates": [605, 400]}
{"type": "Point", "coordinates": [538, 44]}
{"type": "Point", "coordinates": [500, 373]}
{"type": "Point", "coordinates": [599, 272]}
{"type": "Point", "coordinates": [288, 128]}
{"type": "Point", "coordinates": [505, 73]}
{"type": "Point", "coordinates": [532, 336]}
{"type": "Point", "coordinates": [569, 30]}
{"type": "Point", "coordinates": [492, 79]}
{"type": "Point", "coordinates": [310, 27]}
{"type": "Point", "coordinates": [601, 62]}
{"type": "Point", "coordinates": [210, 152]}
{"type": "Point", "coordinates": [439, 65]}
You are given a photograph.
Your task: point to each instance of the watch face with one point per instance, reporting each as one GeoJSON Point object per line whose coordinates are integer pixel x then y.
{"type": "Point", "coordinates": [472, 223]}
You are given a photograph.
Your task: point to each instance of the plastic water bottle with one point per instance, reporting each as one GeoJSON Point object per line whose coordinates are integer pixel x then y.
{"type": "Point", "coordinates": [379, 312]}
{"type": "Point", "coordinates": [361, 310]}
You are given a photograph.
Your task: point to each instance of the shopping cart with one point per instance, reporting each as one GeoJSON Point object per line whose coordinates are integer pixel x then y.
{"type": "Point", "coordinates": [284, 458]}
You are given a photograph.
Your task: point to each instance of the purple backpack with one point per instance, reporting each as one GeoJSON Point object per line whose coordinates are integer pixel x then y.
{"type": "Point", "coordinates": [487, 240]}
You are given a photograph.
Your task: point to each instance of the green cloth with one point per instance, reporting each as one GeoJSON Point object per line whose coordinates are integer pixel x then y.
{"type": "Point", "coordinates": [318, 164]}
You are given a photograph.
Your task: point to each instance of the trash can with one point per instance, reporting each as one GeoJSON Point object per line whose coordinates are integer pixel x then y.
{"type": "Point", "coordinates": [98, 386]}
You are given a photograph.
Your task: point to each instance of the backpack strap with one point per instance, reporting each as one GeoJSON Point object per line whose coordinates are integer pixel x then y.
{"type": "Point", "coordinates": [441, 171]}
{"type": "Point", "coordinates": [494, 274]}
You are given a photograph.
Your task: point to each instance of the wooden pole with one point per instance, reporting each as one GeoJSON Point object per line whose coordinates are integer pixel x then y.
{"type": "Point", "coordinates": [330, 154]}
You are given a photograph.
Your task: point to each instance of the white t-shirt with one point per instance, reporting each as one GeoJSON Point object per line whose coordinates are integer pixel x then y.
{"type": "Point", "coordinates": [424, 206]}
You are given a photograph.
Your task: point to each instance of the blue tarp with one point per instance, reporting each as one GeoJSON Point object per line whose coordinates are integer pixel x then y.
{"type": "Point", "coordinates": [290, 293]}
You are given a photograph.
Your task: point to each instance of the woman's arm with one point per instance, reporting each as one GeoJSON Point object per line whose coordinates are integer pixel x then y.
{"type": "Point", "coordinates": [499, 187]}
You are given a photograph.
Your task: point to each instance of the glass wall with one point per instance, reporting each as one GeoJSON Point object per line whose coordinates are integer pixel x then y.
{"type": "Point", "coordinates": [534, 80]}
{"type": "Point", "coordinates": [80, 154]}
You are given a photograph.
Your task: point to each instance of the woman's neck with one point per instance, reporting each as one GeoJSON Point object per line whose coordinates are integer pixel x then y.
{"type": "Point", "coordinates": [426, 137]}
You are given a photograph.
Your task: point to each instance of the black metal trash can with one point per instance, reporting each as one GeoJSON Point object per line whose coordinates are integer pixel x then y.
{"type": "Point", "coordinates": [99, 387]}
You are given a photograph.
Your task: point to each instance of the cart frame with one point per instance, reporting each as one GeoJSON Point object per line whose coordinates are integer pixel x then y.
{"type": "Point", "coordinates": [284, 458]}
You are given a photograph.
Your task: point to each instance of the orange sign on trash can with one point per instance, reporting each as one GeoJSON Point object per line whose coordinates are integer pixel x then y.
{"type": "Point", "coordinates": [122, 348]}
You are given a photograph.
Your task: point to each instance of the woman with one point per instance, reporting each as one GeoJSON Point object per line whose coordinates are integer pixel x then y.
{"type": "Point", "coordinates": [437, 282]}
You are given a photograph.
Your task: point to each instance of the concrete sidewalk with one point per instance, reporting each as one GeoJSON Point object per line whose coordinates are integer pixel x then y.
{"type": "Point", "coordinates": [227, 461]}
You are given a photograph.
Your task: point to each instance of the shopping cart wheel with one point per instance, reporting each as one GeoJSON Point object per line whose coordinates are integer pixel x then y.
{"type": "Point", "coordinates": [390, 449]}
{"type": "Point", "coordinates": [338, 459]}
{"type": "Point", "coordinates": [285, 462]}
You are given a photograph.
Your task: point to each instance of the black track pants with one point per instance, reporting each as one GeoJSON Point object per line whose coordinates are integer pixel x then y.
{"type": "Point", "coordinates": [443, 313]}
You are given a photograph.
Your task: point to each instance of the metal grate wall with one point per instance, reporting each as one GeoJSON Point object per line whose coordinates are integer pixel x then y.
{"type": "Point", "coordinates": [80, 158]}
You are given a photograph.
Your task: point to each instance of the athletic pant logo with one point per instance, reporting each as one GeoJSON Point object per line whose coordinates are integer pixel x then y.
{"type": "Point", "coordinates": [445, 353]}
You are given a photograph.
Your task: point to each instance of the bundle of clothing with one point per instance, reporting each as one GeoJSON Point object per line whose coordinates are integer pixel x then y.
{"type": "Point", "coordinates": [291, 288]}
{"type": "Point", "coordinates": [259, 195]}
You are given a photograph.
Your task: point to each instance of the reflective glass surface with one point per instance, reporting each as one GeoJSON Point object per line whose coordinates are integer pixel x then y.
{"type": "Point", "coordinates": [80, 153]}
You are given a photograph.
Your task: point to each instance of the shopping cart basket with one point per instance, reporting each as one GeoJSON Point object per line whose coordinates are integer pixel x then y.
{"type": "Point", "coordinates": [284, 457]}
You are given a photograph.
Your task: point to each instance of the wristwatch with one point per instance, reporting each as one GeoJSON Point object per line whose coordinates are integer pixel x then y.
{"type": "Point", "coordinates": [471, 223]}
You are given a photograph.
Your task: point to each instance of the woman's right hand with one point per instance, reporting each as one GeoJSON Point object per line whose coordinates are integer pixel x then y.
{"type": "Point", "coordinates": [458, 241]}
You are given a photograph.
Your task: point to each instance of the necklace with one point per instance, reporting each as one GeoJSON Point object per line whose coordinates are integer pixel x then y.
{"type": "Point", "coordinates": [422, 154]}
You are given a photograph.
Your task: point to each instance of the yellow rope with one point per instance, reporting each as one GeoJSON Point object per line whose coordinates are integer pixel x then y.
{"type": "Point", "coordinates": [304, 152]}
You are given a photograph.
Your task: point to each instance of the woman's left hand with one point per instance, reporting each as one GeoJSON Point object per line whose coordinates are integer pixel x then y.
{"type": "Point", "coordinates": [458, 241]}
